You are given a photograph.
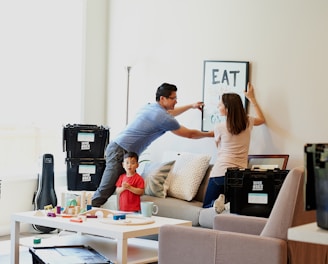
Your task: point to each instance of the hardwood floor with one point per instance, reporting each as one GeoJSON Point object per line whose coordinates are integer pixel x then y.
{"type": "Point", "coordinates": [25, 256]}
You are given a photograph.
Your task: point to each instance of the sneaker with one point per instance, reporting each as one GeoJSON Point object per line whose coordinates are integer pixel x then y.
{"type": "Point", "coordinates": [219, 204]}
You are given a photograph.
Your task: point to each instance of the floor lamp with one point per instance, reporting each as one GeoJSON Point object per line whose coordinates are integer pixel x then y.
{"type": "Point", "coordinates": [128, 68]}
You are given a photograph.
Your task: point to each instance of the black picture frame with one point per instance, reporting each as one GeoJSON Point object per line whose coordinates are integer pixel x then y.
{"type": "Point", "coordinates": [221, 77]}
{"type": "Point", "coordinates": [268, 161]}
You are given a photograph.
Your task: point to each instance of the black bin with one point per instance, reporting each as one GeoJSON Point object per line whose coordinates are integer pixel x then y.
{"type": "Point", "coordinates": [85, 141]}
{"type": "Point", "coordinates": [84, 174]}
{"type": "Point", "coordinates": [253, 192]}
{"type": "Point", "coordinates": [67, 254]}
{"type": "Point", "coordinates": [320, 165]}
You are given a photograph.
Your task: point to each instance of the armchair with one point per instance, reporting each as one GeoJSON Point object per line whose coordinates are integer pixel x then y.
{"type": "Point", "coordinates": [240, 239]}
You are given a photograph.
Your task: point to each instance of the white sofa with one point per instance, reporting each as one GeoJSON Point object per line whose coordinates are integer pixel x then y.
{"type": "Point", "coordinates": [186, 210]}
{"type": "Point", "coordinates": [178, 186]}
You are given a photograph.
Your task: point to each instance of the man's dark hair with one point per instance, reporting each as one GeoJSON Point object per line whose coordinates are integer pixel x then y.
{"type": "Point", "coordinates": [165, 90]}
{"type": "Point", "coordinates": [131, 155]}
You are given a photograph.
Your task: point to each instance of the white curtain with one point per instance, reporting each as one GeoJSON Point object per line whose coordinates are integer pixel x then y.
{"type": "Point", "coordinates": [40, 79]}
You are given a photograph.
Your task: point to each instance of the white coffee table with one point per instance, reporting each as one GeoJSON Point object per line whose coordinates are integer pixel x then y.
{"type": "Point", "coordinates": [99, 229]}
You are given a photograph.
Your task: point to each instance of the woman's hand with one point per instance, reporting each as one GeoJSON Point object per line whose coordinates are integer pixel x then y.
{"type": "Point", "coordinates": [249, 93]}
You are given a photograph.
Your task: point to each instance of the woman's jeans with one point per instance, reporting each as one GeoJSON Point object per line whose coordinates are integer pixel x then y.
{"type": "Point", "coordinates": [215, 187]}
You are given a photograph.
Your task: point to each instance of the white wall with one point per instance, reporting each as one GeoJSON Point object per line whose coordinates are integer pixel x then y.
{"type": "Point", "coordinates": [16, 195]}
{"type": "Point", "coordinates": [167, 41]}
{"type": "Point", "coordinates": [95, 61]}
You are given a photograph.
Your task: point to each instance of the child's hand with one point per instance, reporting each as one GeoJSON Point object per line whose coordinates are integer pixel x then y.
{"type": "Point", "coordinates": [126, 185]}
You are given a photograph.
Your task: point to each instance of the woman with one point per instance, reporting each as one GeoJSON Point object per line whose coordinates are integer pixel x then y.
{"type": "Point", "coordinates": [232, 139]}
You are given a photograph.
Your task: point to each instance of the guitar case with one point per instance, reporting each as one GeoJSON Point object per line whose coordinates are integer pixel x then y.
{"type": "Point", "coordinates": [45, 194]}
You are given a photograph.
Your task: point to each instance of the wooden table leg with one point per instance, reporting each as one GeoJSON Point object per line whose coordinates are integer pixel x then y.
{"type": "Point", "coordinates": [122, 251]}
{"type": "Point", "coordinates": [14, 252]}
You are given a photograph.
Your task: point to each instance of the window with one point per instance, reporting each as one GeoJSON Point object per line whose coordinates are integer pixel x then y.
{"type": "Point", "coordinates": [41, 73]}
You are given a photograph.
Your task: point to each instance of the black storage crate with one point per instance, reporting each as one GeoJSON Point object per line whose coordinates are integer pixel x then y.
{"type": "Point", "coordinates": [84, 174]}
{"type": "Point", "coordinates": [67, 254]}
{"type": "Point", "coordinates": [85, 141]}
{"type": "Point", "coordinates": [253, 192]}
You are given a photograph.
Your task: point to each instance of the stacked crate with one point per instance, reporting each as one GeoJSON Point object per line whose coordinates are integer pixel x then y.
{"type": "Point", "coordinates": [85, 159]}
{"type": "Point", "coordinates": [253, 192]}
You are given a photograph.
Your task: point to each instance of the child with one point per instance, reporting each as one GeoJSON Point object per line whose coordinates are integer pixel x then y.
{"type": "Point", "coordinates": [130, 186]}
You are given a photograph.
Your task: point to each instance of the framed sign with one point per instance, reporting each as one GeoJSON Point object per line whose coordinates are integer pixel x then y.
{"type": "Point", "coordinates": [221, 77]}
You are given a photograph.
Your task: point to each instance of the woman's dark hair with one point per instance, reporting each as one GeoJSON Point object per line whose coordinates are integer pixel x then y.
{"type": "Point", "coordinates": [165, 90]}
{"type": "Point", "coordinates": [237, 120]}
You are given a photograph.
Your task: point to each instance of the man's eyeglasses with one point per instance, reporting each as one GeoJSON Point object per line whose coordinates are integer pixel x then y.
{"type": "Point", "coordinates": [172, 98]}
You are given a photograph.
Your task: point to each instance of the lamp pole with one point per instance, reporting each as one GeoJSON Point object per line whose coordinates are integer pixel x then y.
{"type": "Point", "coordinates": [128, 68]}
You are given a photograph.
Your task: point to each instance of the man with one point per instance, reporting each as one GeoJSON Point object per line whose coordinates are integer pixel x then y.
{"type": "Point", "coordinates": [153, 121]}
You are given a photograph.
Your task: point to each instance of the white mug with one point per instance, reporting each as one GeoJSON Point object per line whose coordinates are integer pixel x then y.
{"type": "Point", "coordinates": [148, 209]}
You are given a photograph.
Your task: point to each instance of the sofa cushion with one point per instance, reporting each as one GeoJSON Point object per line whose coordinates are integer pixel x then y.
{"type": "Point", "coordinates": [203, 186]}
{"type": "Point", "coordinates": [206, 217]}
{"type": "Point", "coordinates": [155, 175]}
{"type": "Point", "coordinates": [187, 174]}
{"type": "Point", "coordinates": [175, 208]}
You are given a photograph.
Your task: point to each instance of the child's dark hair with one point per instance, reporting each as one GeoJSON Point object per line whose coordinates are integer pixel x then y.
{"type": "Point", "coordinates": [131, 155]}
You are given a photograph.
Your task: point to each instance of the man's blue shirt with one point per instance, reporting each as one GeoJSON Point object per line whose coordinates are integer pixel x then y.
{"type": "Point", "coordinates": [150, 123]}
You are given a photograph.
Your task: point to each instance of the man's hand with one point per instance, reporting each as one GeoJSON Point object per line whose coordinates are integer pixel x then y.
{"type": "Point", "coordinates": [181, 109]}
{"type": "Point", "coordinates": [198, 105]}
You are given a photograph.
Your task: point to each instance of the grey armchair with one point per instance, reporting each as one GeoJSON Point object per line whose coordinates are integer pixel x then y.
{"type": "Point", "coordinates": [240, 239]}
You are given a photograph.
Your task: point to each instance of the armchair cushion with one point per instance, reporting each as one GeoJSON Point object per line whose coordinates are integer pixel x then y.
{"type": "Point", "coordinates": [239, 223]}
{"type": "Point", "coordinates": [180, 244]}
{"type": "Point", "coordinates": [240, 248]}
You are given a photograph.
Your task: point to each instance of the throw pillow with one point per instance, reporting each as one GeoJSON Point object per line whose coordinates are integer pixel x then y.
{"type": "Point", "coordinates": [187, 174]}
{"type": "Point", "coordinates": [155, 175]}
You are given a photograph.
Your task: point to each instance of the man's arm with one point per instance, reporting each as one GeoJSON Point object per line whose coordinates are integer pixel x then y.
{"type": "Point", "coordinates": [181, 109]}
{"type": "Point", "coordinates": [192, 133]}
